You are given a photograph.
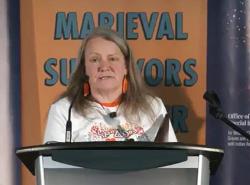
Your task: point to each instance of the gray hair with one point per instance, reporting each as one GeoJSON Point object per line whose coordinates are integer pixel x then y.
{"type": "Point", "coordinates": [136, 97]}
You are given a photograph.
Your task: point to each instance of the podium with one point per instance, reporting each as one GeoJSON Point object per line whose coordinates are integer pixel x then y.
{"type": "Point", "coordinates": [112, 163]}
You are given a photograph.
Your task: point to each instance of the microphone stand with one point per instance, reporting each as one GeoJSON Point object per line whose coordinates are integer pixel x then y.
{"type": "Point", "coordinates": [218, 114]}
{"type": "Point", "coordinates": [215, 109]}
{"type": "Point", "coordinates": [68, 133]}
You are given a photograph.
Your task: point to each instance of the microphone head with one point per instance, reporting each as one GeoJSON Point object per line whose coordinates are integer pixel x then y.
{"type": "Point", "coordinates": [112, 114]}
{"type": "Point", "coordinates": [212, 98]}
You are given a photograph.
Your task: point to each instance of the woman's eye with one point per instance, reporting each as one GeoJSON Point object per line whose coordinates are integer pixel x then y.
{"type": "Point", "coordinates": [113, 59]}
{"type": "Point", "coordinates": [94, 59]}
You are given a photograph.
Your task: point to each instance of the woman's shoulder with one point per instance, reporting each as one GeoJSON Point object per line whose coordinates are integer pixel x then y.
{"type": "Point", "coordinates": [154, 100]}
{"type": "Point", "coordinates": [61, 103]}
{"type": "Point", "coordinates": [156, 104]}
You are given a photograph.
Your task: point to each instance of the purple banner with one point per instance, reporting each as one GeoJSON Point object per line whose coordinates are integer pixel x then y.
{"type": "Point", "coordinates": [229, 75]}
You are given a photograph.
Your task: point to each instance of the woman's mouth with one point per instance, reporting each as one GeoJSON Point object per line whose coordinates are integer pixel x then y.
{"type": "Point", "coordinates": [105, 77]}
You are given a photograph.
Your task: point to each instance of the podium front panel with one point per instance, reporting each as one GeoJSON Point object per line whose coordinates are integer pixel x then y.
{"type": "Point", "coordinates": [56, 173]}
{"type": "Point", "coordinates": [159, 176]}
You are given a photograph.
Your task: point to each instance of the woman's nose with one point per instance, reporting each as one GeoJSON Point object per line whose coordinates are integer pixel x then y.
{"type": "Point", "coordinates": [104, 65]}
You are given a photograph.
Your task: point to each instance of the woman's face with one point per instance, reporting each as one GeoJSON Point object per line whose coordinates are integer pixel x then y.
{"type": "Point", "coordinates": [105, 65]}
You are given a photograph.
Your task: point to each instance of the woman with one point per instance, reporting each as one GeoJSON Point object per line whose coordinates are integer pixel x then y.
{"type": "Point", "coordinates": [111, 104]}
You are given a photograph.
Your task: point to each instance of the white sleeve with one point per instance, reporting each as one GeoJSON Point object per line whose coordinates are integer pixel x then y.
{"type": "Point", "coordinates": [170, 135]}
{"type": "Point", "coordinates": [56, 122]}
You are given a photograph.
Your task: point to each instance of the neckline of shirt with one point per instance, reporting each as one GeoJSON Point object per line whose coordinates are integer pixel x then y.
{"type": "Point", "coordinates": [112, 104]}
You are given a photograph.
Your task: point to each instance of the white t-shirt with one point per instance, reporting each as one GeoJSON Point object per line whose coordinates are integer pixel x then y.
{"type": "Point", "coordinates": [98, 126]}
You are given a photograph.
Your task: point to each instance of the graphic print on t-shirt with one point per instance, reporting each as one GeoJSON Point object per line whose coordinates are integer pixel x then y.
{"type": "Point", "coordinates": [103, 132]}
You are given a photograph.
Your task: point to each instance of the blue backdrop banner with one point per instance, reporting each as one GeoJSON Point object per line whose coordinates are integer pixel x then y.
{"type": "Point", "coordinates": [229, 75]}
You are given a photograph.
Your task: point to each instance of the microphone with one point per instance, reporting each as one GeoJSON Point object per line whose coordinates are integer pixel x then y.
{"type": "Point", "coordinates": [215, 109]}
{"type": "Point", "coordinates": [123, 133]}
{"type": "Point", "coordinates": [68, 133]}
{"type": "Point", "coordinates": [212, 98]}
{"type": "Point", "coordinates": [214, 104]}
{"type": "Point", "coordinates": [112, 114]}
